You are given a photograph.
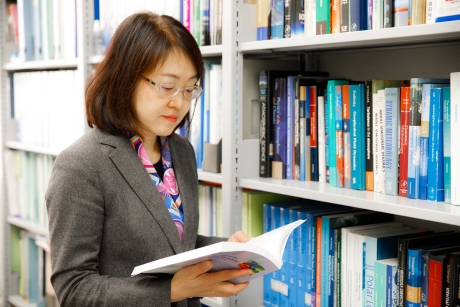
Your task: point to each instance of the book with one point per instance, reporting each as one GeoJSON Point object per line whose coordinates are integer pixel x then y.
{"type": "Point", "coordinates": [455, 126]}
{"type": "Point", "coordinates": [279, 127]}
{"type": "Point", "coordinates": [346, 136]}
{"type": "Point", "coordinates": [404, 140]}
{"type": "Point", "coordinates": [323, 17]}
{"type": "Point", "coordinates": [339, 136]}
{"type": "Point", "coordinates": [331, 100]}
{"type": "Point", "coordinates": [414, 133]}
{"type": "Point", "coordinates": [357, 142]}
{"type": "Point", "coordinates": [392, 113]}
{"type": "Point", "coordinates": [425, 131]}
{"type": "Point", "coordinates": [314, 134]}
{"type": "Point", "coordinates": [321, 140]}
{"type": "Point", "coordinates": [290, 130]}
{"type": "Point", "coordinates": [447, 152]}
{"type": "Point", "coordinates": [262, 20]}
{"type": "Point", "coordinates": [277, 19]}
{"type": "Point", "coordinates": [262, 255]}
{"type": "Point", "coordinates": [435, 184]}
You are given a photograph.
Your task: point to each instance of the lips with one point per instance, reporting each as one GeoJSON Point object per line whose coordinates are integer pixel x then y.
{"type": "Point", "coordinates": [170, 118]}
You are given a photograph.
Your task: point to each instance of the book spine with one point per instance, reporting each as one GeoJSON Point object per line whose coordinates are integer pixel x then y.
{"type": "Point", "coordinates": [277, 19]}
{"type": "Point", "coordinates": [447, 140]}
{"type": "Point", "coordinates": [313, 134]}
{"type": "Point", "coordinates": [414, 141]}
{"type": "Point", "coordinates": [321, 141]}
{"type": "Point", "coordinates": [297, 134]}
{"type": "Point", "coordinates": [417, 12]}
{"type": "Point", "coordinates": [391, 140]}
{"type": "Point", "coordinates": [326, 138]}
{"type": "Point", "coordinates": [331, 263]}
{"type": "Point", "coordinates": [262, 20]}
{"type": "Point", "coordinates": [369, 137]}
{"type": "Point", "coordinates": [276, 278]}
{"type": "Point", "coordinates": [267, 226]}
{"type": "Point", "coordinates": [359, 144]}
{"type": "Point", "coordinates": [388, 20]}
{"type": "Point", "coordinates": [435, 274]}
{"type": "Point", "coordinates": [401, 13]}
{"type": "Point", "coordinates": [404, 141]}
{"type": "Point", "coordinates": [303, 123]}
{"type": "Point", "coordinates": [298, 24]}
{"type": "Point", "coordinates": [290, 128]}
{"type": "Point", "coordinates": [424, 135]}
{"type": "Point", "coordinates": [293, 241]}
{"type": "Point", "coordinates": [323, 17]}
{"type": "Point", "coordinates": [288, 5]}
{"type": "Point", "coordinates": [369, 271]}
{"type": "Point", "coordinates": [424, 280]}
{"type": "Point", "coordinates": [335, 16]}
{"type": "Point", "coordinates": [377, 115]}
{"type": "Point", "coordinates": [436, 149]}
{"type": "Point", "coordinates": [413, 287]}
{"type": "Point", "coordinates": [455, 126]}
{"type": "Point", "coordinates": [344, 16]}
{"type": "Point", "coordinates": [265, 125]}
{"type": "Point", "coordinates": [284, 271]}
{"type": "Point", "coordinates": [186, 14]}
{"type": "Point", "coordinates": [282, 121]}
{"type": "Point", "coordinates": [402, 256]}
{"type": "Point", "coordinates": [325, 262]}
{"type": "Point", "coordinates": [338, 268]}
{"type": "Point", "coordinates": [448, 281]}
{"type": "Point", "coordinates": [312, 254]}
{"type": "Point", "coordinates": [319, 262]}
{"type": "Point", "coordinates": [302, 258]}
{"type": "Point", "coordinates": [346, 136]}
{"type": "Point", "coordinates": [339, 136]}
{"type": "Point", "coordinates": [307, 135]}
{"type": "Point", "coordinates": [394, 286]}
{"type": "Point", "coordinates": [380, 287]}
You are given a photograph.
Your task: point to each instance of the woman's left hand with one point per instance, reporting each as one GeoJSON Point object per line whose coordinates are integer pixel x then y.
{"type": "Point", "coordinates": [239, 236]}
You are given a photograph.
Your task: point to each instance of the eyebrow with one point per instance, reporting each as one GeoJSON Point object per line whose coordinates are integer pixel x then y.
{"type": "Point", "coordinates": [176, 76]}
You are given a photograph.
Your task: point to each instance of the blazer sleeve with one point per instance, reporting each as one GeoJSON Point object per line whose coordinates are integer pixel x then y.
{"type": "Point", "coordinates": [76, 219]}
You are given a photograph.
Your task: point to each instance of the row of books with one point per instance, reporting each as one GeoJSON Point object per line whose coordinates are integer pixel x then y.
{"type": "Point", "coordinates": [210, 209]}
{"type": "Point", "coordinates": [203, 18]}
{"type": "Point", "coordinates": [60, 117]}
{"type": "Point", "coordinates": [346, 257]}
{"type": "Point", "coordinates": [290, 18]}
{"type": "Point", "coordinates": [31, 269]}
{"type": "Point", "coordinates": [387, 136]}
{"type": "Point", "coordinates": [28, 175]}
{"type": "Point", "coordinates": [206, 113]}
{"type": "Point", "coordinates": [44, 29]}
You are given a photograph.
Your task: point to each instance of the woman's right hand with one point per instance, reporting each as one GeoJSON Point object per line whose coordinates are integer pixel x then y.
{"type": "Point", "coordinates": [194, 281]}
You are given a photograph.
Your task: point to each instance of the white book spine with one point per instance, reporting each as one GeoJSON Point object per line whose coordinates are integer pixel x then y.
{"type": "Point", "coordinates": [391, 140]}
{"type": "Point", "coordinates": [454, 144]}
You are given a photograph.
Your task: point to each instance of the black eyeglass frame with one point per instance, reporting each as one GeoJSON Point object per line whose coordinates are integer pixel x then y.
{"type": "Point", "coordinates": [196, 88]}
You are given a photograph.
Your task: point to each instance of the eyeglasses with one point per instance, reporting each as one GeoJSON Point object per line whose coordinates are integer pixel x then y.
{"type": "Point", "coordinates": [169, 90]}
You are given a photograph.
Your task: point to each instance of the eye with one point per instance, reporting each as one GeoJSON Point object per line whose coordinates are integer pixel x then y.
{"type": "Point", "coordinates": [190, 90]}
{"type": "Point", "coordinates": [167, 87]}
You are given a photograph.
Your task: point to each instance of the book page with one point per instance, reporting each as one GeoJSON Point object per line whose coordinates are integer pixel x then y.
{"type": "Point", "coordinates": [275, 241]}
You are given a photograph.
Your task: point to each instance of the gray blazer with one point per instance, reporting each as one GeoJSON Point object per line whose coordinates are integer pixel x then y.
{"type": "Point", "coordinates": [106, 217]}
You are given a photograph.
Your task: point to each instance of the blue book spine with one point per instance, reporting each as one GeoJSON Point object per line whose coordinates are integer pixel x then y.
{"type": "Point", "coordinates": [276, 278]}
{"type": "Point", "coordinates": [380, 286]}
{"type": "Point", "coordinates": [392, 285]}
{"type": "Point", "coordinates": [290, 90]}
{"type": "Point", "coordinates": [392, 106]}
{"type": "Point", "coordinates": [447, 153]}
{"type": "Point", "coordinates": [358, 15]}
{"type": "Point", "coordinates": [298, 25]}
{"type": "Point", "coordinates": [339, 136]}
{"type": "Point", "coordinates": [311, 260]}
{"type": "Point", "coordinates": [414, 277]}
{"type": "Point", "coordinates": [369, 271]}
{"type": "Point", "coordinates": [436, 148]}
{"type": "Point", "coordinates": [267, 226]}
{"type": "Point", "coordinates": [325, 262]}
{"type": "Point", "coordinates": [277, 19]}
{"type": "Point", "coordinates": [284, 271]}
{"type": "Point", "coordinates": [326, 138]}
{"type": "Point", "coordinates": [293, 241]}
{"type": "Point", "coordinates": [332, 264]}
{"type": "Point", "coordinates": [302, 255]}
{"type": "Point", "coordinates": [358, 166]}
{"type": "Point", "coordinates": [424, 135]}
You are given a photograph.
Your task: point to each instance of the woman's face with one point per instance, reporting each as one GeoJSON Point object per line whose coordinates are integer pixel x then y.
{"type": "Point", "coordinates": [159, 116]}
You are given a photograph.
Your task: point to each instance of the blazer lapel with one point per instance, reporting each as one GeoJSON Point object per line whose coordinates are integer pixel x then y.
{"type": "Point", "coordinates": [130, 166]}
{"type": "Point", "coordinates": [185, 179]}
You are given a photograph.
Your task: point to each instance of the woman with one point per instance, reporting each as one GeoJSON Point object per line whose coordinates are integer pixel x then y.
{"type": "Point", "coordinates": [126, 192]}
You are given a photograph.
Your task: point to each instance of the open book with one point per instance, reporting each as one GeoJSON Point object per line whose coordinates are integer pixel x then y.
{"type": "Point", "coordinates": [262, 255]}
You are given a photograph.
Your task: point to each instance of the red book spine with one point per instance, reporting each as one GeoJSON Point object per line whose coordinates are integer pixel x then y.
{"type": "Point", "coordinates": [435, 283]}
{"type": "Point", "coordinates": [404, 141]}
{"type": "Point", "coordinates": [313, 135]}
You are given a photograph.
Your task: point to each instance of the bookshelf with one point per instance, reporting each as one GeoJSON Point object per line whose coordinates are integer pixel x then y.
{"type": "Point", "coordinates": [425, 50]}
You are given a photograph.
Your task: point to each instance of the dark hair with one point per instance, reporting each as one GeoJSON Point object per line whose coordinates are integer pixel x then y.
{"type": "Point", "coordinates": [141, 43]}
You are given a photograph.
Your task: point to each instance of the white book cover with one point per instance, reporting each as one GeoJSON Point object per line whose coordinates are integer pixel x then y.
{"type": "Point", "coordinates": [215, 107]}
{"type": "Point", "coordinates": [392, 113]}
{"type": "Point", "coordinates": [262, 255]}
{"type": "Point", "coordinates": [321, 140]}
{"type": "Point", "coordinates": [56, 29]}
{"type": "Point", "coordinates": [454, 144]}
{"type": "Point", "coordinates": [378, 145]}
{"type": "Point", "coordinates": [21, 31]}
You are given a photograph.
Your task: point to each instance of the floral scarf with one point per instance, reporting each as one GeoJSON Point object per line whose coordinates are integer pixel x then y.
{"type": "Point", "coordinates": [168, 188]}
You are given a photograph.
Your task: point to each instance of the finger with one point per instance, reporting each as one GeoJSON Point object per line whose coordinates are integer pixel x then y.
{"type": "Point", "coordinates": [200, 268]}
{"type": "Point", "coordinates": [225, 275]}
{"type": "Point", "coordinates": [228, 289]}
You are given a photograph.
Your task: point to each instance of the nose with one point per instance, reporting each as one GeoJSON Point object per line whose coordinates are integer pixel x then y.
{"type": "Point", "coordinates": [177, 101]}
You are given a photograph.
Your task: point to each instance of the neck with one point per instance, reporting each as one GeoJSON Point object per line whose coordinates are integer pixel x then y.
{"type": "Point", "coordinates": [153, 147]}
